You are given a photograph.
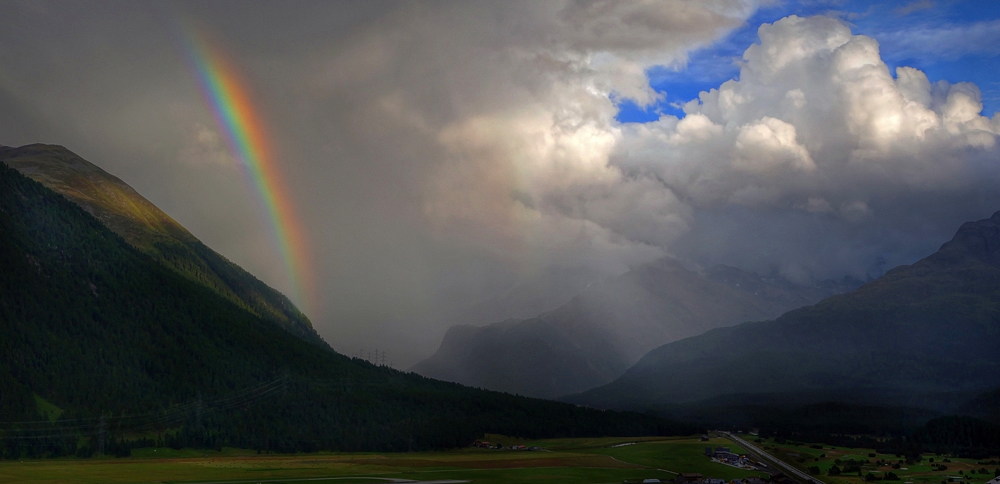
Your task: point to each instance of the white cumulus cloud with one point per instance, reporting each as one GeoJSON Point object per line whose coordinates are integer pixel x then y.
{"type": "Point", "coordinates": [817, 159]}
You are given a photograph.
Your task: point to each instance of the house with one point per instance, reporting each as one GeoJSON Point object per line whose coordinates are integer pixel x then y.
{"type": "Point", "coordinates": [689, 478]}
{"type": "Point", "coordinates": [704, 438]}
{"type": "Point", "coordinates": [782, 479]}
{"type": "Point", "coordinates": [995, 480]}
{"type": "Point", "coordinates": [713, 480]}
{"type": "Point", "coordinates": [753, 480]}
{"type": "Point", "coordinates": [727, 456]}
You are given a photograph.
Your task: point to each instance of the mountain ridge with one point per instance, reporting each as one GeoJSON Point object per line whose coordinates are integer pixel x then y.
{"type": "Point", "coordinates": [143, 225]}
{"type": "Point", "coordinates": [602, 331]}
{"type": "Point", "coordinates": [925, 328]}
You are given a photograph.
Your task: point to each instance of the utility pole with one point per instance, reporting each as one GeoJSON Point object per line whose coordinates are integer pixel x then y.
{"type": "Point", "coordinates": [197, 413]}
{"type": "Point", "coordinates": [102, 433]}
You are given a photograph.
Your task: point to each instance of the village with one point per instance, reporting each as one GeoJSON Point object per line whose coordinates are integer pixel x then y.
{"type": "Point", "coordinates": [723, 455]}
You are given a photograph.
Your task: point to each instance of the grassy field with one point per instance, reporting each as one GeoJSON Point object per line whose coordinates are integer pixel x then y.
{"type": "Point", "coordinates": [561, 461]}
{"type": "Point", "coordinates": [923, 472]}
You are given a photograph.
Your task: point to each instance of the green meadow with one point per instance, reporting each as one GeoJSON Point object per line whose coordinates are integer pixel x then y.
{"type": "Point", "coordinates": [585, 460]}
{"type": "Point", "coordinates": [925, 471]}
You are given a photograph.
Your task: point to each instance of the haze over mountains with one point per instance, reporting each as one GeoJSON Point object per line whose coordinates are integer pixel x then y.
{"type": "Point", "coordinates": [90, 325]}
{"type": "Point", "coordinates": [601, 332]}
{"type": "Point", "coordinates": [926, 332]}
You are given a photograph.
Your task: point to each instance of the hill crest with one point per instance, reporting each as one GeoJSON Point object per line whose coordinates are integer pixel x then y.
{"type": "Point", "coordinates": [144, 226]}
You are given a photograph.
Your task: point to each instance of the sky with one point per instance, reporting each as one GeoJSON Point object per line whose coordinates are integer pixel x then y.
{"type": "Point", "coordinates": [440, 155]}
{"type": "Point", "coordinates": [958, 41]}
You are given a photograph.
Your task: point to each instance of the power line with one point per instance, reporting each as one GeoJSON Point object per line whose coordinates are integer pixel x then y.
{"type": "Point", "coordinates": [34, 429]}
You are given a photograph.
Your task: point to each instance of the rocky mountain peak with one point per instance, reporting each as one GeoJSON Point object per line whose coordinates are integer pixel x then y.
{"type": "Point", "coordinates": [974, 241]}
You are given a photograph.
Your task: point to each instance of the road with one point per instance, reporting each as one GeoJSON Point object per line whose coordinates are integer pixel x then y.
{"type": "Point", "coordinates": [753, 449]}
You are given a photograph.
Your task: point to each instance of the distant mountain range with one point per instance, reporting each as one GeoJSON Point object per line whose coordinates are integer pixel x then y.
{"type": "Point", "coordinates": [147, 228]}
{"type": "Point", "coordinates": [597, 335]}
{"type": "Point", "coordinates": [143, 339]}
{"type": "Point", "coordinates": [924, 335]}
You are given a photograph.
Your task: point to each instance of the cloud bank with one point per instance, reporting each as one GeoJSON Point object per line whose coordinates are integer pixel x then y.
{"type": "Point", "coordinates": [816, 162]}
{"type": "Point", "coordinates": [443, 152]}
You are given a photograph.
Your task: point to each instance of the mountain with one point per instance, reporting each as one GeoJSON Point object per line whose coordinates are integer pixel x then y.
{"type": "Point", "coordinates": [597, 335]}
{"type": "Point", "coordinates": [541, 293]}
{"type": "Point", "coordinates": [921, 333]}
{"type": "Point", "coordinates": [149, 229]}
{"type": "Point", "coordinates": [100, 344]}
{"type": "Point", "coordinates": [986, 406]}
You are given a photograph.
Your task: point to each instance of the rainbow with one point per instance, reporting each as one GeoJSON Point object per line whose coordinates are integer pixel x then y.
{"type": "Point", "coordinates": [249, 142]}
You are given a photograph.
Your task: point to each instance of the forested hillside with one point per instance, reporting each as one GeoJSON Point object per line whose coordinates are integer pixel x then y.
{"type": "Point", "coordinates": [93, 330]}
{"type": "Point", "coordinates": [147, 228]}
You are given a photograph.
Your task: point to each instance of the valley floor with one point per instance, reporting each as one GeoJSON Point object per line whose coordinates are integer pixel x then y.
{"type": "Point", "coordinates": [601, 460]}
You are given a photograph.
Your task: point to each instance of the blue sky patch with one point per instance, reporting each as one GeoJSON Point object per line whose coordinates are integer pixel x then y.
{"type": "Point", "coordinates": [954, 40]}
